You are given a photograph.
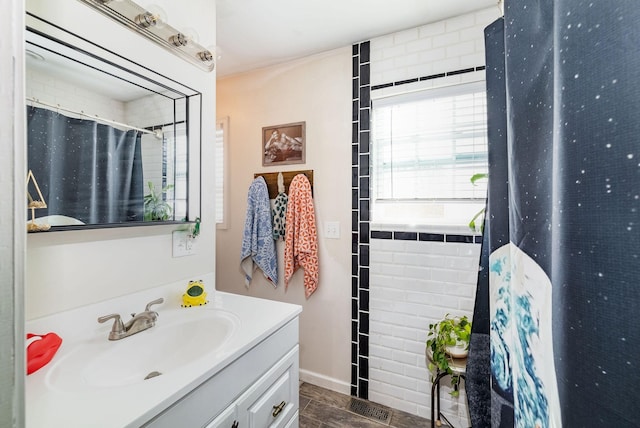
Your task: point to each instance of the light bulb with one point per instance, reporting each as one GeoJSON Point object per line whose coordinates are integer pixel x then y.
{"type": "Point", "coordinates": [205, 56]}
{"type": "Point", "coordinates": [159, 15]}
{"type": "Point", "coordinates": [178, 39]}
{"type": "Point", "coordinates": [217, 52]}
{"type": "Point", "coordinates": [146, 20]}
{"type": "Point", "coordinates": [190, 34]}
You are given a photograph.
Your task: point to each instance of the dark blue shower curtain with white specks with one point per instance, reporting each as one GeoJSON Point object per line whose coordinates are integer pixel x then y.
{"type": "Point", "coordinates": [563, 226]}
{"type": "Point", "coordinates": [86, 170]}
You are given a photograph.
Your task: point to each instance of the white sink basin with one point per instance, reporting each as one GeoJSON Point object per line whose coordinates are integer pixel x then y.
{"type": "Point", "coordinates": [179, 338]}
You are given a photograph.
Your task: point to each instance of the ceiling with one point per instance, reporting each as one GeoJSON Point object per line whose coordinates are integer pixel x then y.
{"type": "Point", "coordinates": [257, 33]}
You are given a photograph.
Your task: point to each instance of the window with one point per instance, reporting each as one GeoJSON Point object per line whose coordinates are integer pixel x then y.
{"type": "Point", "coordinates": [221, 166]}
{"type": "Point", "coordinates": [426, 146]}
{"type": "Point", "coordinates": [174, 167]}
{"type": "Point", "coordinates": [165, 167]}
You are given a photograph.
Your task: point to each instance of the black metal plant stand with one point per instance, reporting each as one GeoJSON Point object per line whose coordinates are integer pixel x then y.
{"type": "Point", "coordinates": [458, 368]}
{"type": "Point", "coordinates": [436, 416]}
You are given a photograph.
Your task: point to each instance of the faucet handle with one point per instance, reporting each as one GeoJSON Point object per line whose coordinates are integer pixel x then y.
{"type": "Point", "coordinates": [153, 302]}
{"type": "Point", "coordinates": [118, 327]}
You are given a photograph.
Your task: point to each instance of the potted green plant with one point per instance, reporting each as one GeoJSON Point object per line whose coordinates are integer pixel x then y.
{"type": "Point", "coordinates": [156, 207]}
{"type": "Point", "coordinates": [446, 340]}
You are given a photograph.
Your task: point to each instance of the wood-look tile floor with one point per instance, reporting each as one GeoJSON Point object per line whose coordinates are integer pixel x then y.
{"type": "Point", "coordinates": [323, 408]}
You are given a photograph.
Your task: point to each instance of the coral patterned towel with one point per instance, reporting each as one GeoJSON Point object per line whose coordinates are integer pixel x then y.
{"type": "Point", "coordinates": [301, 241]}
{"type": "Point", "coordinates": [258, 248]}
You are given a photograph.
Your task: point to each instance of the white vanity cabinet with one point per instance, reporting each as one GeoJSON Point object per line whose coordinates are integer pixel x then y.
{"type": "Point", "coordinates": [257, 390]}
{"type": "Point", "coordinates": [231, 363]}
{"type": "Point", "coordinates": [227, 419]}
{"type": "Point", "coordinates": [271, 402]}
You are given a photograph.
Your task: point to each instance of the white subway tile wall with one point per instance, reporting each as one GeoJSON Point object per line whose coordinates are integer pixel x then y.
{"type": "Point", "coordinates": [411, 286]}
{"type": "Point", "coordinates": [414, 283]}
{"type": "Point", "coordinates": [453, 44]}
{"type": "Point", "coordinates": [53, 90]}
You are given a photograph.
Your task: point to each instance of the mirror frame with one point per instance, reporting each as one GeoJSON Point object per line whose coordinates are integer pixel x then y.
{"type": "Point", "coordinates": [43, 28]}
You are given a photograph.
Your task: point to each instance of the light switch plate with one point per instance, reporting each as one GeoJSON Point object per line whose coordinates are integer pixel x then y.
{"type": "Point", "coordinates": [332, 229]}
{"type": "Point", "coordinates": [183, 243]}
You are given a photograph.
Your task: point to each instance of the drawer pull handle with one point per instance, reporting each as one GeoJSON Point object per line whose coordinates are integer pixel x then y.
{"type": "Point", "coordinates": [277, 409]}
{"type": "Point", "coordinates": [235, 424]}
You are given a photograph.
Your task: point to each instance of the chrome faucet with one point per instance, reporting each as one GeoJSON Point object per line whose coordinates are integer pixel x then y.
{"type": "Point", "coordinates": [136, 324]}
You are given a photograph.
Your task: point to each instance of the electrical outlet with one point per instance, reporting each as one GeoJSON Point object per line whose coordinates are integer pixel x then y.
{"type": "Point", "coordinates": [332, 229]}
{"type": "Point", "coordinates": [183, 243]}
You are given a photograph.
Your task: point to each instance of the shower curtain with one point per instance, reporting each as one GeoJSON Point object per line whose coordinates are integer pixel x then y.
{"type": "Point", "coordinates": [563, 227]}
{"type": "Point", "coordinates": [86, 170]}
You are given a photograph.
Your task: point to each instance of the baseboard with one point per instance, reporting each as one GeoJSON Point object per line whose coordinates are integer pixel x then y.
{"type": "Point", "coordinates": [325, 382]}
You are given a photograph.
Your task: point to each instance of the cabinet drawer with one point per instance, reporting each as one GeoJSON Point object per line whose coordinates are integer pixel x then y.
{"type": "Point", "coordinates": [294, 421]}
{"type": "Point", "coordinates": [274, 405]}
{"type": "Point", "coordinates": [273, 400]}
{"type": "Point", "coordinates": [226, 419]}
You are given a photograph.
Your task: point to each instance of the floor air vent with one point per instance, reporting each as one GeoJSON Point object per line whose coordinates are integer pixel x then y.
{"type": "Point", "coordinates": [368, 410]}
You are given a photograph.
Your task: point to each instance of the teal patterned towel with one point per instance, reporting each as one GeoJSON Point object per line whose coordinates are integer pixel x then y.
{"type": "Point", "coordinates": [279, 213]}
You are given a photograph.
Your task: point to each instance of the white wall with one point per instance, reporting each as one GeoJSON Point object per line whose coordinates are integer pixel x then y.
{"type": "Point", "coordinates": [75, 268]}
{"type": "Point", "coordinates": [12, 223]}
{"type": "Point", "coordinates": [315, 90]}
{"type": "Point", "coordinates": [413, 283]}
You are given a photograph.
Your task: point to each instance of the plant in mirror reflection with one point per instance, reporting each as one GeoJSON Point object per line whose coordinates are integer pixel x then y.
{"type": "Point", "coordinates": [156, 207]}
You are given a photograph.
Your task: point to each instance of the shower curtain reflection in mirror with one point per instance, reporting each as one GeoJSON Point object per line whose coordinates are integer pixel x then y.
{"type": "Point", "coordinates": [89, 171]}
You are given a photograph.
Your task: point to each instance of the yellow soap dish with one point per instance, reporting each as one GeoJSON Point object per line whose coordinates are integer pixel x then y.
{"type": "Point", "coordinates": [195, 295]}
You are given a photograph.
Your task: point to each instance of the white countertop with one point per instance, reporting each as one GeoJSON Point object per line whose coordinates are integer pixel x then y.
{"type": "Point", "coordinates": [132, 405]}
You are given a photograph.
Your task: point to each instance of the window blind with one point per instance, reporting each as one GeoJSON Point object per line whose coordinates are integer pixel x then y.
{"type": "Point", "coordinates": [219, 176]}
{"type": "Point", "coordinates": [221, 172]}
{"type": "Point", "coordinates": [175, 167]}
{"type": "Point", "coordinates": [427, 145]}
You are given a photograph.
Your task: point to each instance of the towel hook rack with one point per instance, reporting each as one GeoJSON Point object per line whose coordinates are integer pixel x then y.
{"type": "Point", "coordinates": [271, 179]}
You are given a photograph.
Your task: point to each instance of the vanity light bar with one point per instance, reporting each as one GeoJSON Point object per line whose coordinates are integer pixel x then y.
{"type": "Point", "coordinates": [146, 23]}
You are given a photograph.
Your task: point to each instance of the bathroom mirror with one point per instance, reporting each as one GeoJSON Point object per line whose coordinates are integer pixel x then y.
{"type": "Point", "coordinates": [110, 142]}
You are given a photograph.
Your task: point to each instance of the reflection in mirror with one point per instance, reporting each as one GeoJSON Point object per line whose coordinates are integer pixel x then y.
{"type": "Point", "coordinates": [109, 146]}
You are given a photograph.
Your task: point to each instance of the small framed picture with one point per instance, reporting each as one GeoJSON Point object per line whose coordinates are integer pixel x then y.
{"type": "Point", "coordinates": [283, 144]}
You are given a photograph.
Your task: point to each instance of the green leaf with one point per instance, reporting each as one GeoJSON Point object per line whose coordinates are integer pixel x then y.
{"type": "Point", "coordinates": [480, 176]}
{"type": "Point", "coordinates": [472, 223]}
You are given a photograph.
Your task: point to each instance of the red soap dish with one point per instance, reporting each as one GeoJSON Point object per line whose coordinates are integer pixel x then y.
{"type": "Point", "coordinates": [40, 352]}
